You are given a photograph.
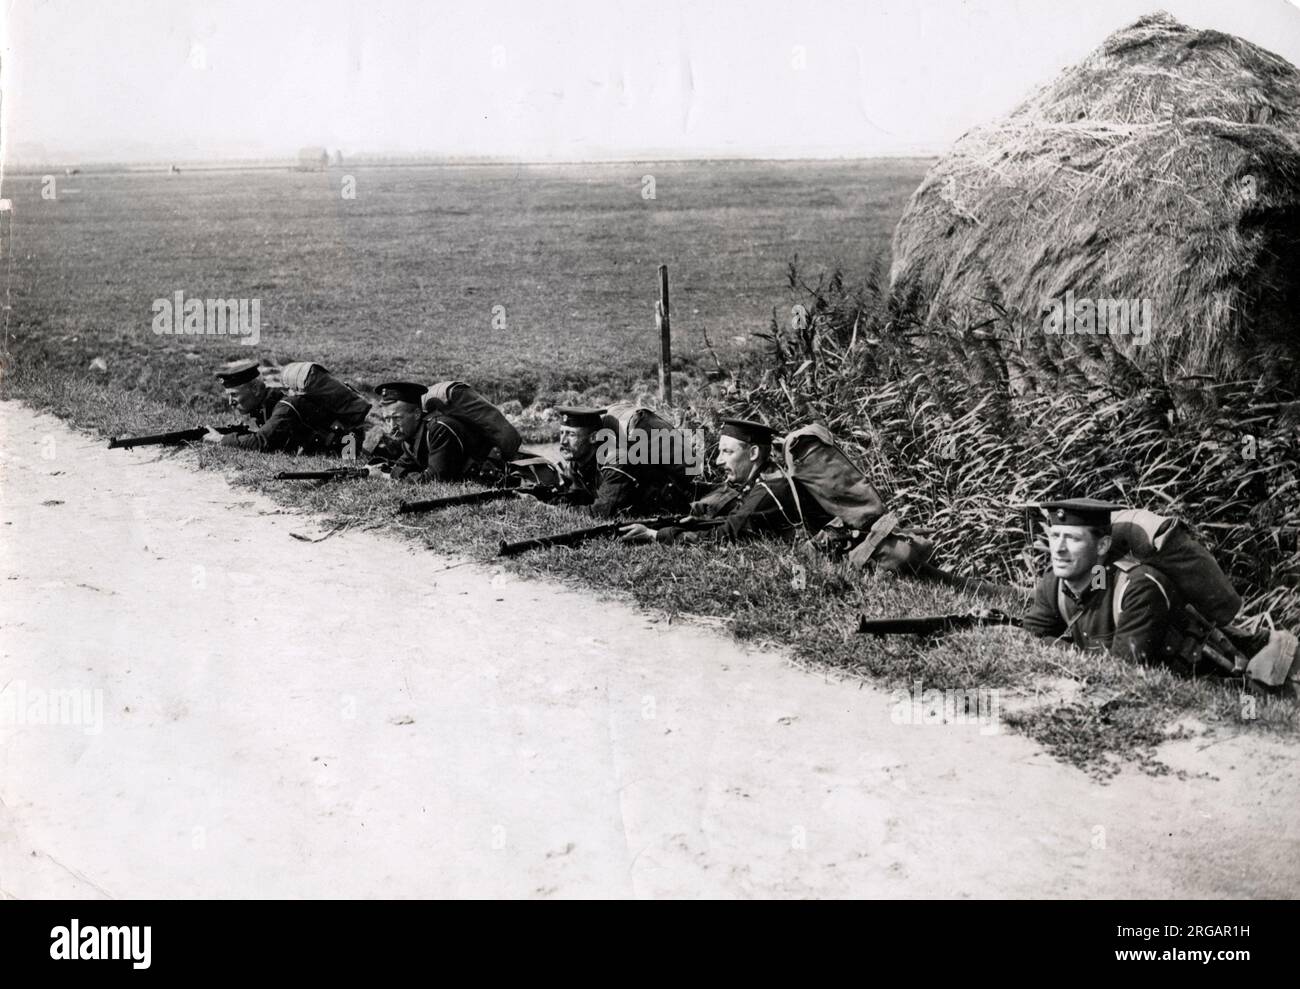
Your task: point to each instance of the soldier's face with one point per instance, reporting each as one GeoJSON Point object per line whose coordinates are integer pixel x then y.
{"type": "Point", "coordinates": [246, 397]}
{"type": "Point", "coordinates": [739, 460]}
{"type": "Point", "coordinates": [400, 420]}
{"type": "Point", "coordinates": [1075, 549]}
{"type": "Point", "coordinates": [576, 443]}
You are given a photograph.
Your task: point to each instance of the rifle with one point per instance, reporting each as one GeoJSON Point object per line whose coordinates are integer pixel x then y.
{"type": "Point", "coordinates": [576, 536]}
{"type": "Point", "coordinates": [333, 474]}
{"type": "Point", "coordinates": [178, 436]}
{"type": "Point", "coordinates": [935, 624]}
{"type": "Point", "coordinates": [539, 491]}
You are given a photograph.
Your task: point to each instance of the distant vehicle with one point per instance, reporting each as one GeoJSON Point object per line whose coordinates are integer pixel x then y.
{"type": "Point", "coordinates": [72, 171]}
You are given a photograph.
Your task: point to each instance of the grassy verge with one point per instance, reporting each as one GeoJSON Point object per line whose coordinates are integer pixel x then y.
{"type": "Point", "coordinates": [1111, 714]}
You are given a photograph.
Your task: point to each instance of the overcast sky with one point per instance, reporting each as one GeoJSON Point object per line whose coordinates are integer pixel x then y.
{"type": "Point", "coordinates": [183, 79]}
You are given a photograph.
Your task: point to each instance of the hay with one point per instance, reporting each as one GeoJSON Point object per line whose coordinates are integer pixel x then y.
{"type": "Point", "coordinates": [1164, 166]}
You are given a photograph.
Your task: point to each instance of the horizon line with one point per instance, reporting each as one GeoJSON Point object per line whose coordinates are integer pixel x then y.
{"type": "Point", "coordinates": [418, 158]}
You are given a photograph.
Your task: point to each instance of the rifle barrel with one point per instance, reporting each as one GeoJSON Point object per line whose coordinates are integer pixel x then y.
{"type": "Point", "coordinates": [472, 498]}
{"type": "Point", "coordinates": [933, 624]}
{"type": "Point", "coordinates": [571, 538]}
{"type": "Point", "coordinates": [332, 474]}
{"type": "Point", "coordinates": [176, 436]}
{"type": "Point", "coordinates": [576, 536]}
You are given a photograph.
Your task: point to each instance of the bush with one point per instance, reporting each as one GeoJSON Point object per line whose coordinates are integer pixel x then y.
{"type": "Point", "coordinates": [934, 419]}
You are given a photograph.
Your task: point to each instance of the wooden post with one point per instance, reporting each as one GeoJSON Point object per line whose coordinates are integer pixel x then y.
{"type": "Point", "coordinates": [663, 322]}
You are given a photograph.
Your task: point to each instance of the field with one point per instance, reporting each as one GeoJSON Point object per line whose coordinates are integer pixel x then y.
{"type": "Point", "coordinates": [402, 281]}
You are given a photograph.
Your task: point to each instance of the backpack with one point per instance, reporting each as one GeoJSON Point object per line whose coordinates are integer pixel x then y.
{"type": "Point", "coordinates": [626, 420]}
{"type": "Point", "coordinates": [530, 471]}
{"type": "Point", "coordinates": [485, 422]}
{"type": "Point", "coordinates": [332, 413]}
{"type": "Point", "coordinates": [860, 526]}
{"type": "Point", "coordinates": [825, 471]}
{"type": "Point", "coordinates": [1163, 543]}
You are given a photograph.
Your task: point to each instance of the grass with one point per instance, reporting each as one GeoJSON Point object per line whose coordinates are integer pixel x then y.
{"type": "Point", "coordinates": [1115, 714]}
{"type": "Point", "coordinates": [402, 281]}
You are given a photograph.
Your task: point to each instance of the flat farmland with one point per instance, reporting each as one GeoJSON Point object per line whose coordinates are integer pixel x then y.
{"type": "Point", "coordinates": [520, 278]}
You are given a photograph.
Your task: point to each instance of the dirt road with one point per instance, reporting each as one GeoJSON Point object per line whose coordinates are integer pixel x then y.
{"type": "Point", "coordinates": [244, 714]}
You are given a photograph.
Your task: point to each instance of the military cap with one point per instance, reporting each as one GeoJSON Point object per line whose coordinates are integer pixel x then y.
{"type": "Point", "coordinates": [1080, 511]}
{"type": "Point", "coordinates": [237, 373]}
{"type": "Point", "coordinates": [747, 431]}
{"type": "Point", "coordinates": [400, 391]}
{"type": "Point", "coordinates": [580, 417]}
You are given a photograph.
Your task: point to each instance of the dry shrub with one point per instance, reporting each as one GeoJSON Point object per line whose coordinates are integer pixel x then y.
{"type": "Point", "coordinates": [963, 460]}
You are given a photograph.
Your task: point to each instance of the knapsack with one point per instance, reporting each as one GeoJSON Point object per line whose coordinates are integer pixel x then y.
{"type": "Point", "coordinates": [860, 526]}
{"type": "Point", "coordinates": [332, 413]}
{"type": "Point", "coordinates": [824, 470]}
{"type": "Point", "coordinates": [532, 471]}
{"type": "Point", "coordinates": [815, 460]}
{"type": "Point", "coordinates": [1163, 543]}
{"type": "Point", "coordinates": [486, 423]}
{"type": "Point", "coordinates": [670, 445]}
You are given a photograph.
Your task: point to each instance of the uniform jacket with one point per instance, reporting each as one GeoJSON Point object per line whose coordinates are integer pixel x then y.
{"type": "Point", "coordinates": [1149, 615]}
{"type": "Point", "coordinates": [278, 428]}
{"type": "Point", "coordinates": [621, 489]}
{"type": "Point", "coordinates": [438, 452]}
{"type": "Point", "coordinates": [283, 426]}
{"type": "Point", "coordinates": [769, 505]}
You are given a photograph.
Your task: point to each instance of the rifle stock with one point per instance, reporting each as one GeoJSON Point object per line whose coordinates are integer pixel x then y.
{"type": "Point", "coordinates": [176, 436]}
{"type": "Point", "coordinates": [934, 624]}
{"type": "Point", "coordinates": [472, 498]}
{"type": "Point", "coordinates": [332, 474]}
{"type": "Point", "coordinates": [576, 536]}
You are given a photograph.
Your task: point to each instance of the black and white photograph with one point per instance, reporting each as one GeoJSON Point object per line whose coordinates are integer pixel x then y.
{"type": "Point", "coordinates": [669, 450]}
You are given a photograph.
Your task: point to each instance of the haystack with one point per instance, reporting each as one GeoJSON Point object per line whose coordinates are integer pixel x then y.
{"type": "Point", "coordinates": [1164, 167]}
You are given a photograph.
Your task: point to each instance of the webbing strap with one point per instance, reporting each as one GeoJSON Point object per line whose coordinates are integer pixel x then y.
{"type": "Point", "coordinates": [798, 505]}
{"type": "Point", "coordinates": [780, 507]}
{"type": "Point", "coordinates": [458, 440]}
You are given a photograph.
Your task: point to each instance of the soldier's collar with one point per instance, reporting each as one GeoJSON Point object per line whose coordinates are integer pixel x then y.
{"type": "Point", "coordinates": [1079, 597]}
{"type": "Point", "coordinates": [768, 474]}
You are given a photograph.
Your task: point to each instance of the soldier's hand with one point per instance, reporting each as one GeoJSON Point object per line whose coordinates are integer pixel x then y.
{"type": "Point", "coordinates": [379, 470]}
{"type": "Point", "coordinates": [211, 436]}
{"type": "Point", "coordinates": [637, 533]}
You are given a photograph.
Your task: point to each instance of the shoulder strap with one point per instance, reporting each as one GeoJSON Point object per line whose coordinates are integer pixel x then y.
{"type": "Point", "coordinates": [794, 491]}
{"type": "Point", "coordinates": [1121, 585]}
{"type": "Point", "coordinates": [1117, 599]}
{"type": "Point", "coordinates": [312, 409]}
{"type": "Point", "coordinates": [296, 411]}
{"type": "Point", "coordinates": [781, 508]}
{"type": "Point", "coordinates": [610, 468]}
{"type": "Point", "coordinates": [454, 435]}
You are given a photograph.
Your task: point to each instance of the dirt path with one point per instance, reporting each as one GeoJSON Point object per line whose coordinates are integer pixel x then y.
{"type": "Point", "coordinates": [344, 718]}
